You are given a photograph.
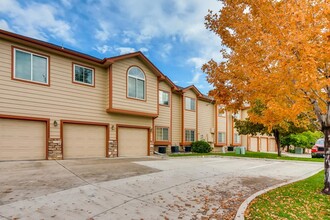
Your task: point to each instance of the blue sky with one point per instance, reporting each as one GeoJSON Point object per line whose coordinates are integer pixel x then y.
{"type": "Point", "coordinates": [171, 33]}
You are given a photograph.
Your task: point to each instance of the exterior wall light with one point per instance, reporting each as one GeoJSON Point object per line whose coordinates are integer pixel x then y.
{"type": "Point", "coordinates": [55, 123]}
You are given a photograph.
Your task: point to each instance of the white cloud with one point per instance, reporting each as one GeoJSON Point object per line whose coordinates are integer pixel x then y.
{"type": "Point", "coordinates": [144, 50]}
{"type": "Point", "coordinates": [103, 49]}
{"type": "Point", "coordinates": [125, 50]}
{"type": "Point", "coordinates": [4, 25]}
{"type": "Point", "coordinates": [37, 20]}
{"type": "Point", "coordinates": [197, 61]}
{"type": "Point", "coordinates": [67, 3]}
{"type": "Point", "coordinates": [103, 33]}
{"type": "Point", "coordinates": [196, 78]}
{"type": "Point", "coordinates": [166, 50]}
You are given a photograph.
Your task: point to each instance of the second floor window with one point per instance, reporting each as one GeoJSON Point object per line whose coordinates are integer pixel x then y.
{"type": "Point", "coordinates": [190, 104]}
{"type": "Point", "coordinates": [163, 98]}
{"type": "Point", "coordinates": [190, 135]}
{"type": "Point", "coordinates": [83, 75]}
{"type": "Point", "coordinates": [30, 67]}
{"type": "Point", "coordinates": [136, 83]}
{"type": "Point", "coordinates": [162, 134]}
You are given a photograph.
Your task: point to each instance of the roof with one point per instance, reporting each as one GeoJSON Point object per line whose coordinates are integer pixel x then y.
{"type": "Point", "coordinates": [141, 57]}
{"type": "Point", "coordinates": [20, 38]}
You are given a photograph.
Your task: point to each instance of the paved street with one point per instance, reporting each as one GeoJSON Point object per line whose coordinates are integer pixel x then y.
{"type": "Point", "coordinates": [184, 188]}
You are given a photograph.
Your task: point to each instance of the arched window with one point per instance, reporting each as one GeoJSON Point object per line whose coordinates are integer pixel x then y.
{"type": "Point", "coordinates": [136, 83]}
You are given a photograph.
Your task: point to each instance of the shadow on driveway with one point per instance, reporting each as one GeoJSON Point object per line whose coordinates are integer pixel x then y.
{"type": "Point", "coordinates": [20, 180]}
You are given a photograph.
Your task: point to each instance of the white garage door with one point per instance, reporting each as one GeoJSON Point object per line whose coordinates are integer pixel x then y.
{"type": "Point", "coordinates": [22, 139]}
{"type": "Point", "coordinates": [254, 144]}
{"type": "Point", "coordinates": [263, 144]}
{"type": "Point", "coordinates": [84, 141]}
{"type": "Point", "coordinates": [132, 142]}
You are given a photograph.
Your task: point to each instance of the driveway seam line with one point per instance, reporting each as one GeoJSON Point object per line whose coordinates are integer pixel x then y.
{"type": "Point", "coordinates": [72, 172]}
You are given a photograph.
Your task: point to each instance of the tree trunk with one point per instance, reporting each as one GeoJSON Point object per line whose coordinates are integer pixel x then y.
{"type": "Point", "coordinates": [277, 140]}
{"type": "Point", "coordinates": [326, 189]}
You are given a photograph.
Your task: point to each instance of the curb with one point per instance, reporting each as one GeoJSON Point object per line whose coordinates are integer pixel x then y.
{"type": "Point", "coordinates": [244, 205]}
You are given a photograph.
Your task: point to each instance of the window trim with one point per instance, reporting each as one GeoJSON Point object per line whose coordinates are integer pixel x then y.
{"type": "Point", "coordinates": [169, 98]}
{"type": "Point", "coordinates": [188, 129]}
{"type": "Point", "coordinates": [185, 104]}
{"type": "Point", "coordinates": [82, 83]}
{"type": "Point", "coordinates": [145, 84]}
{"type": "Point", "coordinates": [13, 62]}
{"type": "Point", "coordinates": [225, 141]}
{"type": "Point", "coordinates": [162, 127]}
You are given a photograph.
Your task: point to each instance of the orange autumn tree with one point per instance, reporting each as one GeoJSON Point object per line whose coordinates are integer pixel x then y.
{"type": "Point", "coordinates": [277, 54]}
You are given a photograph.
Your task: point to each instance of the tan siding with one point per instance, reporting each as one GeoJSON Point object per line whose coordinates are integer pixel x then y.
{"type": "Point", "coordinates": [176, 119]}
{"type": "Point", "coordinates": [244, 114]}
{"type": "Point", "coordinates": [61, 100]}
{"type": "Point", "coordinates": [164, 118]}
{"type": "Point", "coordinates": [205, 120]}
{"type": "Point", "coordinates": [119, 93]}
{"type": "Point", "coordinates": [127, 120]}
{"type": "Point", "coordinates": [229, 129]}
{"type": "Point", "coordinates": [222, 124]}
{"type": "Point", "coordinates": [190, 119]}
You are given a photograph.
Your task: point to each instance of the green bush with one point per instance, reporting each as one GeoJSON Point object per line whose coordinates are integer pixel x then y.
{"type": "Point", "coordinates": [201, 147]}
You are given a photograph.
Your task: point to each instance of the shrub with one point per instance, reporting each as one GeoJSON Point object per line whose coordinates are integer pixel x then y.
{"type": "Point", "coordinates": [201, 147]}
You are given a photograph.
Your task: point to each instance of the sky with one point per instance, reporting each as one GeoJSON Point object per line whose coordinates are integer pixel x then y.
{"type": "Point", "coordinates": [171, 33]}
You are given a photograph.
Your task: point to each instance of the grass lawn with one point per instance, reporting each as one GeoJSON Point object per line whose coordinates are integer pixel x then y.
{"type": "Point", "coordinates": [300, 200]}
{"type": "Point", "coordinates": [250, 154]}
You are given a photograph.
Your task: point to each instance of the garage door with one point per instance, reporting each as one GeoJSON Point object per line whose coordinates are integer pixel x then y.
{"type": "Point", "coordinates": [254, 144]}
{"type": "Point", "coordinates": [84, 141]}
{"type": "Point", "coordinates": [22, 139]}
{"type": "Point", "coordinates": [132, 142]}
{"type": "Point", "coordinates": [263, 144]}
{"type": "Point", "coordinates": [272, 145]}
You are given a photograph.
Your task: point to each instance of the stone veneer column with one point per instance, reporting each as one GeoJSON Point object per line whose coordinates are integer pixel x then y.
{"type": "Point", "coordinates": [113, 148]}
{"type": "Point", "coordinates": [54, 149]}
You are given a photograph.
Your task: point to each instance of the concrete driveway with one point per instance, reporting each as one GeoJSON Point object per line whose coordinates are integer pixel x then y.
{"type": "Point", "coordinates": [185, 188]}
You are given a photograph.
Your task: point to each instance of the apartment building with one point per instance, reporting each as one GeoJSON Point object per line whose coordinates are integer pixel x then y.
{"type": "Point", "coordinates": [56, 103]}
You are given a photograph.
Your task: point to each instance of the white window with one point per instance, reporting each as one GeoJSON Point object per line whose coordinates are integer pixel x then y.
{"type": "Point", "coordinates": [162, 134]}
{"type": "Point", "coordinates": [190, 135]}
{"type": "Point", "coordinates": [30, 66]}
{"type": "Point", "coordinates": [221, 137]}
{"type": "Point", "coordinates": [163, 98]}
{"type": "Point", "coordinates": [136, 83]}
{"type": "Point", "coordinates": [190, 104]}
{"type": "Point", "coordinates": [237, 138]}
{"type": "Point", "coordinates": [83, 75]}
